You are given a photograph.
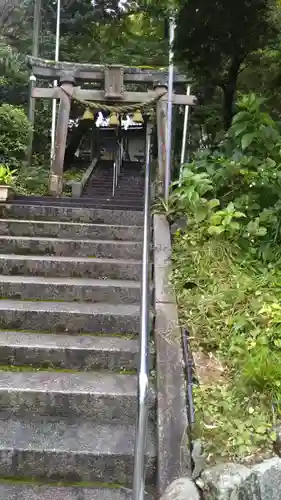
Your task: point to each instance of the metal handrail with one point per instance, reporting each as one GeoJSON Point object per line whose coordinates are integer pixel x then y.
{"type": "Point", "coordinates": [117, 167]}
{"type": "Point", "coordinates": [114, 178]}
{"type": "Point", "coordinates": [143, 374]}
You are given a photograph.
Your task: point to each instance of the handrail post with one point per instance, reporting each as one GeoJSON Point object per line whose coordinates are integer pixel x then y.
{"type": "Point", "coordinates": [114, 178]}
{"type": "Point", "coordinates": [116, 168]}
{"type": "Point", "coordinates": [143, 375]}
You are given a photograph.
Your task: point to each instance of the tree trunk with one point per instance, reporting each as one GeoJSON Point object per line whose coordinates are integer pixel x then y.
{"type": "Point", "coordinates": [229, 91]}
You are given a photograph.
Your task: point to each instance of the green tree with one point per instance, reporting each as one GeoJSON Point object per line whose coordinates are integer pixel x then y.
{"type": "Point", "coordinates": [213, 39]}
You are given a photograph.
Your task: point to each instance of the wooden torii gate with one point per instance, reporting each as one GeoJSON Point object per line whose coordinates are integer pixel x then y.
{"type": "Point", "coordinates": [113, 80]}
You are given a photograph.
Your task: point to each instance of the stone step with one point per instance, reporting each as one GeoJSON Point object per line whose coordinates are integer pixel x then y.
{"type": "Point", "coordinates": [125, 182]}
{"type": "Point", "coordinates": [71, 352]}
{"type": "Point", "coordinates": [72, 230]}
{"type": "Point", "coordinates": [90, 201]}
{"type": "Point", "coordinates": [69, 289]}
{"type": "Point", "coordinates": [17, 491]}
{"type": "Point", "coordinates": [120, 197]}
{"type": "Point", "coordinates": [70, 267]}
{"type": "Point", "coordinates": [69, 212]}
{"type": "Point", "coordinates": [79, 451]}
{"type": "Point", "coordinates": [69, 317]}
{"type": "Point", "coordinates": [122, 185]}
{"type": "Point", "coordinates": [65, 247]}
{"type": "Point", "coordinates": [115, 202]}
{"type": "Point", "coordinates": [102, 397]}
{"type": "Point", "coordinates": [100, 185]}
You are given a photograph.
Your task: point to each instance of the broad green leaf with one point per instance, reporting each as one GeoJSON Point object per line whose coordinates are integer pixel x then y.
{"type": "Point", "coordinates": [247, 140]}
{"type": "Point", "coordinates": [240, 128]}
{"type": "Point", "coordinates": [239, 214]}
{"type": "Point", "coordinates": [216, 230]}
{"type": "Point", "coordinates": [201, 214]}
{"type": "Point", "coordinates": [230, 207]}
{"type": "Point", "coordinates": [262, 231]}
{"type": "Point", "coordinates": [215, 220]}
{"type": "Point", "coordinates": [235, 225]}
{"type": "Point", "coordinates": [213, 203]}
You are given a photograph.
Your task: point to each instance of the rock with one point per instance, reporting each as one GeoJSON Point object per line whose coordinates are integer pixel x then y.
{"type": "Point", "coordinates": [264, 482]}
{"type": "Point", "coordinates": [178, 225]}
{"type": "Point", "coordinates": [236, 482]}
{"type": "Point", "coordinates": [199, 460]}
{"type": "Point", "coordinates": [181, 489]}
{"type": "Point", "coordinates": [277, 444]}
{"type": "Point", "coordinates": [223, 481]}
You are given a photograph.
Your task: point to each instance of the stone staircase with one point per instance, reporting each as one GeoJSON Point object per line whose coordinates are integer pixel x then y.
{"type": "Point", "coordinates": [129, 190]}
{"type": "Point", "coordinates": [69, 321]}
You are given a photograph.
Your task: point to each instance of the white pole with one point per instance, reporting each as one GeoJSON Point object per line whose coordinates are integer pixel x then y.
{"type": "Point", "coordinates": [172, 27]}
{"type": "Point", "coordinates": [184, 134]}
{"type": "Point", "coordinates": [54, 106]}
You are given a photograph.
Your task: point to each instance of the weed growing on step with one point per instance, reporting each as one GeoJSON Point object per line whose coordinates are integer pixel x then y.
{"type": "Point", "coordinates": [228, 282]}
{"type": "Point", "coordinates": [43, 482]}
{"type": "Point", "coordinates": [75, 174]}
{"type": "Point", "coordinates": [33, 180]}
{"type": "Point", "coordinates": [49, 367]}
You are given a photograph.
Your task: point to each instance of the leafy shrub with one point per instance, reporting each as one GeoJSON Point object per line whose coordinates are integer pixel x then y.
{"type": "Point", "coordinates": [236, 189]}
{"type": "Point", "coordinates": [233, 312]}
{"type": "Point", "coordinates": [14, 130]}
{"type": "Point", "coordinates": [33, 179]}
{"type": "Point", "coordinates": [226, 273]}
{"type": "Point", "coordinates": [6, 175]}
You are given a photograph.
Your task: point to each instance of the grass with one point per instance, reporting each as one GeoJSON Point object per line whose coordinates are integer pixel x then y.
{"type": "Point", "coordinates": [125, 336]}
{"type": "Point", "coordinates": [32, 180]}
{"type": "Point", "coordinates": [75, 174]}
{"type": "Point", "coordinates": [232, 305]}
{"type": "Point", "coordinates": [48, 367]}
{"type": "Point", "coordinates": [48, 482]}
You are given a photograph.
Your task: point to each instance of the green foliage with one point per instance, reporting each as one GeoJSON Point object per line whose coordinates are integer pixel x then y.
{"type": "Point", "coordinates": [33, 179]}
{"type": "Point", "coordinates": [231, 311]}
{"type": "Point", "coordinates": [243, 29]}
{"type": "Point", "coordinates": [14, 76]}
{"type": "Point", "coordinates": [220, 36]}
{"type": "Point", "coordinates": [231, 428]}
{"type": "Point", "coordinates": [7, 176]}
{"type": "Point", "coordinates": [225, 221]}
{"type": "Point", "coordinates": [244, 174]}
{"type": "Point", "coordinates": [231, 255]}
{"type": "Point", "coordinates": [14, 128]}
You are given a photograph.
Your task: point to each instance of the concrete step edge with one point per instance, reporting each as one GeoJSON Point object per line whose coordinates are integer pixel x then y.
{"type": "Point", "coordinates": [70, 240]}
{"type": "Point", "coordinates": [71, 342]}
{"type": "Point", "coordinates": [63, 351]}
{"type": "Point", "coordinates": [105, 398]}
{"type": "Point", "coordinates": [71, 224]}
{"type": "Point", "coordinates": [28, 205]}
{"type": "Point", "coordinates": [69, 383]}
{"type": "Point", "coordinates": [16, 491]}
{"type": "Point", "coordinates": [74, 260]}
{"type": "Point", "coordinates": [70, 307]}
{"type": "Point", "coordinates": [63, 450]}
{"type": "Point", "coordinates": [97, 283]}
{"type": "Point", "coordinates": [57, 436]}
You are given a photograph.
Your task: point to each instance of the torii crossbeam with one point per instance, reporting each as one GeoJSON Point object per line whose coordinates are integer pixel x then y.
{"type": "Point", "coordinates": [113, 80]}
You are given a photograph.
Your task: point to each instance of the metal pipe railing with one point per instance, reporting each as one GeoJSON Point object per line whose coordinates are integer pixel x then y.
{"type": "Point", "coordinates": [117, 167]}
{"type": "Point", "coordinates": [114, 177]}
{"type": "Point", "coordinates": [143, 374]}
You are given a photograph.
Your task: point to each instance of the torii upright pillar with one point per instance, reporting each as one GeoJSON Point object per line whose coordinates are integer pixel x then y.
{"type": "Point", "coordinates": [161, 119]}
{"type": "Point", "coordinates": [67, 82]}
